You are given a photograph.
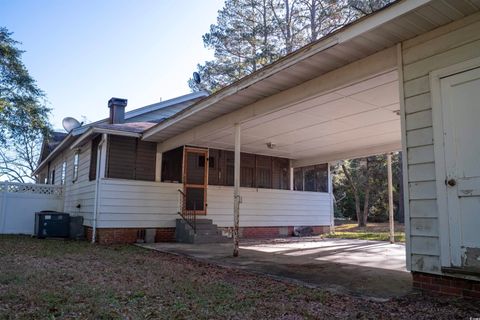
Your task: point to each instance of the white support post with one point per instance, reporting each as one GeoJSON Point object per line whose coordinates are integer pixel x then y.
{"type": "Point", "coordinates": [390, 198]}
{"type": "Point", "coordinates": [236, 191]}
{"type": "Point", "coordinates": [101, 168]}
{"type": "Point", "coordinates": [158, 164]}
{"type": "Point", "coordinates": [330, 194]}
{"type": "Point", "coordinates": [291, 175]}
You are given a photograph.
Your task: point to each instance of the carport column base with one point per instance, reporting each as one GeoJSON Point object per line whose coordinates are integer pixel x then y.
{"type": "Point", "coordinates": [437, 284]}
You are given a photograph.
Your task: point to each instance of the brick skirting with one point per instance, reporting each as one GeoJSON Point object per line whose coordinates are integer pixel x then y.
{"type": "Point", "coordinates": [271, 232]}
{"type": "Point", "coordinates": [128, 235]}
{"type": "Point", "coordinates": [165, 235]}
{"type": "Point", "coordinates": [446, 285]}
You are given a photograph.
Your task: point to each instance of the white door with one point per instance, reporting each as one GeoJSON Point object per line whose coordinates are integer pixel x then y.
{"type": "Point", "coordinates": [461, 123]}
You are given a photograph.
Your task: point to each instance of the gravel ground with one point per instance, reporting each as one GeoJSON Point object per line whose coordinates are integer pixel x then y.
{"type": "Point", "coordinates": [54, 279]}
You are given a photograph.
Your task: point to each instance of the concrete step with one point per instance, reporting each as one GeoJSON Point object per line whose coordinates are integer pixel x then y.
{"type": "Point", "coordinates": [203, 221]}
{"type": "Point", "coordinates": [206, 232]}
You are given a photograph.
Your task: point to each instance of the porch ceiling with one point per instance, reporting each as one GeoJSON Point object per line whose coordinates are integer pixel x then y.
{"type": "Point", "coordinates": [356, 120]}
{"type": "Point", "coordinates": [398, 22]}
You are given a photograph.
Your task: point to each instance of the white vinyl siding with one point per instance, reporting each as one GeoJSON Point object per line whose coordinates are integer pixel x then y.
{"type": "Point", "coordinates": [78, 195]}
{"type": "Point", "coordinates": [447, 45]}
{"type": "Point", "coordinates": [137, 204]}
{"type": "Point", "coordinates": [143, 204]}
{"type": "Point", "coordinates": [269, 207]}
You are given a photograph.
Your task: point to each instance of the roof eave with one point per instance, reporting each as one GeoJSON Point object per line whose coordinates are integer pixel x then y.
{"type": "Point", "coordinates": [92, 131]}
{"type": "Point", "coordinates": [52, 154]}
{"type": "Point", "coordinates": [355, 29]}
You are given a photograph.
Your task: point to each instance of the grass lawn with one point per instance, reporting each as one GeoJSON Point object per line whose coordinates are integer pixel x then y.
{"type": "Point", "coordinates": [373, 231]}
{"type": "Point", "coordinates": [55, 279]}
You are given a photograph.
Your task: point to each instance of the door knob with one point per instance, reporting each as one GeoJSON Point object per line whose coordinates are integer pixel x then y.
{"type": "Point", "coordinates": [451, 182]}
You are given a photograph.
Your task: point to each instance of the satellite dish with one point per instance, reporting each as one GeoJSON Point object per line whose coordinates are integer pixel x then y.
{"type": "Point", "coordinates": [196, 77]}
{"type": "Point", "coordinates": [70, 123]}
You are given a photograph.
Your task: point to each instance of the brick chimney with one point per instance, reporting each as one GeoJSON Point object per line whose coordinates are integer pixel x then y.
{"type": "Point", "coordinates": [117, 110]}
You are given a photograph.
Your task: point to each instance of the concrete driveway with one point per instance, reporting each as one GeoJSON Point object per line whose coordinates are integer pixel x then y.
{"type": "Point", "coordinates": [369, 268]}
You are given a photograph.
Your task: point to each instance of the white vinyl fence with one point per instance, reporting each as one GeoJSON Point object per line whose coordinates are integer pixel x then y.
{"type": "Point", "coordinates": [20, 201]}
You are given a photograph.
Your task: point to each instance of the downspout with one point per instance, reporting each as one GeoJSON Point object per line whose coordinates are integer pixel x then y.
{"type": "Point", "coordinates": [97, 187]}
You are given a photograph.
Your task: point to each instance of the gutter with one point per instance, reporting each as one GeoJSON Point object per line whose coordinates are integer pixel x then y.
{"type": "Point", "coordinates": [91, 131]}
{"type": "Point", "coordinates": [97, 187]}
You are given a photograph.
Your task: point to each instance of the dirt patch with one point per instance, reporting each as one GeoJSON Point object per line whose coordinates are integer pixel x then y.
{"type": "Point", "coordinates": [69, 280]}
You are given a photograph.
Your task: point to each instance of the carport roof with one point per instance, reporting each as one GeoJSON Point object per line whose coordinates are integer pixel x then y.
{"type": "Point", "coordinates": [397, 22]}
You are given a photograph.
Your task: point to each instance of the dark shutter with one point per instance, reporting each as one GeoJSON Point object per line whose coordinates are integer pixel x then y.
{"type": "Point", "coordinates": [263, 171]}
{"type": "Point", "coordinates": [92, 174]}
{"type": "Point", "coordinates": [131, 158]}
{"type": "Point", "coordinates": [281, 173]}
{"type": "Point", "coordinates": [145, 161]}
{"type": "Point", "coordinates": [121, 157]}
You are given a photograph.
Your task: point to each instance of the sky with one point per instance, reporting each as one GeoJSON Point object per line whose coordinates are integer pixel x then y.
{"type": "Point", "coordinates": [83, 52]}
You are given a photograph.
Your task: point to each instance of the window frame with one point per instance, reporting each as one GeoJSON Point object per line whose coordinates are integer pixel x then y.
{"type": "Point", "coordinates": [52, 177]}
{"type": "Point", "coordinates": [63, 173]}
{"type": "Point", "coordinates": [76, 161]}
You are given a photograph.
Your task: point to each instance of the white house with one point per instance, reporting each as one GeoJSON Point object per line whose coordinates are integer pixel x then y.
{"type": "Point", "coordinates": [406, 77]}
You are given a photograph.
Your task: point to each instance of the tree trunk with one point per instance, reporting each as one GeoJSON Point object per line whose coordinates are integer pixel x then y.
{"type": "Point", "coordinates": [355, 194]}
{"type": "Point", "coordinates": [366, 207]}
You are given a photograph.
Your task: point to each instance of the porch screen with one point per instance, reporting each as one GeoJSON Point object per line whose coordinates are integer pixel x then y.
{"type": "Point", "coordinates": [311, 178]}
{"type": "Point", "coordinates": [256, 171]}
{"type": "Point", "coordinates": [172, 165]}
{"type": "Point", "coordinates": [131, 158]}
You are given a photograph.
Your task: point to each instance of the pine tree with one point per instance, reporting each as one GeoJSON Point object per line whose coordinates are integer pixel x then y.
{"type": "Point", "coordinates": [250, 34]}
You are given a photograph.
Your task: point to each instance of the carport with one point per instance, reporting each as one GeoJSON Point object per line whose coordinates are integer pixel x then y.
{"type": "Point", "coordinates": [336, 99]}
{"type": "Point", "coordinates": [371, 269]}
{"type": "Point", "coordinates": [346, 96]}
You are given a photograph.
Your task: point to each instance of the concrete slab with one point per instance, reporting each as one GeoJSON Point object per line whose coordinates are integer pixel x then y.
{"type": "Point", "coordinates": [373, 269]}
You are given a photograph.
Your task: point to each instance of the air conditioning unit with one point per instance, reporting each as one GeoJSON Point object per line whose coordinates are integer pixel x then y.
{"type": "Point", "coordinates": [52, 224]}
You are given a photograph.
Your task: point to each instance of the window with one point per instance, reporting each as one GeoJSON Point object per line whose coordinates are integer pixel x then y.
{"type": "Point", "coordinates": [256, 171]}
{"type": "Point", "coordinates": [76, 158]}
{"type": "Point", "coordinates": [311, 178]}
{"type": "Point", "coordinates": [52, 179]}
{"type": "Point", "coordinates": [64, 171]}
{"type": "Point", "coordinates": [172, 165]}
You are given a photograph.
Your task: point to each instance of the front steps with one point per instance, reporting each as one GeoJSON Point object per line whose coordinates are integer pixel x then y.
{"type": "Point", "coordinates": [207, 232]}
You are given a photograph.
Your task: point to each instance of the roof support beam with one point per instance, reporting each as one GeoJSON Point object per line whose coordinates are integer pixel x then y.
{"type": "Point", "coordinates": [378, 63]}
{"type": "Point", "coordinates": [351, 154]}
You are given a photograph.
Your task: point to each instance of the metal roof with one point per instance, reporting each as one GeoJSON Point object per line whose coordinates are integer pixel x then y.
{"type": "Point", "coordinates": [398, 22]}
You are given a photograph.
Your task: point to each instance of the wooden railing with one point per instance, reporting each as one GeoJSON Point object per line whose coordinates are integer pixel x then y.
{"type": "Point", "coordinates": [189, 216]}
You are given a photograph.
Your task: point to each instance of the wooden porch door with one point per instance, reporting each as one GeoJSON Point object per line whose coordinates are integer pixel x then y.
{"type": "Point", "coordinates": [195, 171]}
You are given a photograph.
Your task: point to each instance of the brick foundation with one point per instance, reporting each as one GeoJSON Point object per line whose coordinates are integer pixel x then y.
{"type": "Point", "coordinates": [274, 232]}
{"type": "Point", "coordinates": [446, 285]}
{"type": "Point", "coordinates": [165, 235]}
{"type": "Point", "coordinates": [128, 235]}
